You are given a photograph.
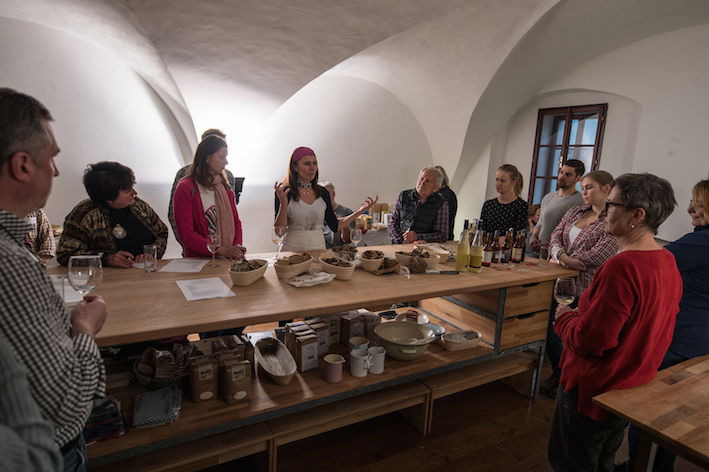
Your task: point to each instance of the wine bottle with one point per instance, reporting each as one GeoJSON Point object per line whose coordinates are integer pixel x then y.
{"type": "Point", "coordinates": [476, 253]}
{"type": "Point", "coordinates": [496, 248]}
{"type": "Point", "coordinates": [461, 260]}
{"type": "Point", "coordinates": [487, 249]}
{"type": "Point", "coordinates": [518, 248]}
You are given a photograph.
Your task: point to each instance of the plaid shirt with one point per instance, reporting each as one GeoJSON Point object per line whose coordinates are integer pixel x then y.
{"type": "Point", "coordinates": [404, 214]}
{"type": "Point", "coordinates": [65, 372]}
{"type": "Point", "coordinates": [40, 239]}
{"type": "Point", "coordinates": [592, 246]}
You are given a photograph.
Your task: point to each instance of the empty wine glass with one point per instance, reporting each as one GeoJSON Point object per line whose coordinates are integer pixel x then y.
{"type": "Point", "coordinates": [356, 236]}
{"type": "Point", "coordinates": [276, 235]}
{"type": "Point", "coordinates": [85, 273]}
{"type": "Point", "coordinates": [215, 242]}
{"type": "Point", "coordinates": [565, 290]}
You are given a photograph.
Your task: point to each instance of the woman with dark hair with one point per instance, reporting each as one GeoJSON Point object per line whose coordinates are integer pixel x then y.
{"type": "Point", "coordinates": [621, 330]}
{"type": "Point", "coordinates": [302, 205]}
{"type": "Point", "coordinates": [113, 220]}
{"type": "Point", "coordinates": [204, 204]}
{"type": "Point", "coordinates": [449, 195]}
{"type": "Point", "coordinates": [507, 210]}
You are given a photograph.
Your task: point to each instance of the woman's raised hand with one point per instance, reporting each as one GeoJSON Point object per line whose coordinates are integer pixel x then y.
{"type": "Point", "coordinates": [368, 203]}
{"type": "Point", "coordinates": [282, 192]}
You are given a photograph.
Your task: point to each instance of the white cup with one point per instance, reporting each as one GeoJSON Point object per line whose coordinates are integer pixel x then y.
{"type": "Point", "coordinates": [360, 362]}
{"type": "Point", "coordinates": [151, 257]}
{"type": "Point", "coordinates": [378, 355]}
{"type": "Point", "coordinates": [359, 343]}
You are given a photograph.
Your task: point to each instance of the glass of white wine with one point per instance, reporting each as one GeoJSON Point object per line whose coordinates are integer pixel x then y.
{"type": "Point", "coordinates": [276, 235]}
{"type": "Point", "coordinates": [356, 236]}
{"type": "Point", "coordinates": [215, 242]}
{"type": "Point", "coordinates": [85, 273]}
{"type": "Point", "coordinates": [565, 290]}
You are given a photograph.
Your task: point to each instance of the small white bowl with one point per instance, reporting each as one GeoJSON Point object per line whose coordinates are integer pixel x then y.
{"type": "Point", "coordinates": [286, 271]}
{"type": "Point", "coordinates": [431, 261]}
{"type": "Point", "coordinates": [341, 273]}
{"type": "Point", "coordinates": [370, 265]}
{"type": "Point", "coordinates": [242, 279]}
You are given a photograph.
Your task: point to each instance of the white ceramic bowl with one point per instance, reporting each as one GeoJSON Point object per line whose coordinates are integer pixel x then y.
{"type": "Point", "coordinates": [461, 340]}
{"type": "Point", "coordinates": [341, 273]}
{"type": "Point", "coordinates": [242, 279]}
{"type": "Point", "coordinates": [370, 265]}
{"type": "Point", "coordinates": [404, 340]}
{"type": "Point", "coordinates": [291, 270]}
{"type": "Point", "coordinates": [431, 261]}
{"type": "Point", "coordinates": [422, 318]}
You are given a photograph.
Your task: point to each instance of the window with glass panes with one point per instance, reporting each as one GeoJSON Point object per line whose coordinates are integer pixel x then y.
{"type": "Point", "coordinates": [565, 133]}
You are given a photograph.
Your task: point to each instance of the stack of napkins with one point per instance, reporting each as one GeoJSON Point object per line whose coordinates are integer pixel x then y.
{"type": "Point", "coordinates": [157, 407]}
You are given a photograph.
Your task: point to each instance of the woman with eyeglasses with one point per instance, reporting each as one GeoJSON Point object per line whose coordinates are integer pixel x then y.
{"type": "Point", "coordinates": [580, 243]}
{"type": "Point", "coordinates": [618, 335]}
{"type": "Point", "coordinates": [691, 334]}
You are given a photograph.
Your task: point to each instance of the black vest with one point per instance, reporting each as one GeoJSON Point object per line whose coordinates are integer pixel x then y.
{"type": "Point", "coordinates": [427, 211]}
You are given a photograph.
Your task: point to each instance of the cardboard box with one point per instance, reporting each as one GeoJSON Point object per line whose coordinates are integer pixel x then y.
{"type": "Point", "coordinates": [323, 334]}
{"type": "Point", "coordinates": [306, 352]}
{"type": "Point", "coordinates": [235, 379]}
{"type": "Point", "coordinates": [333, 324]}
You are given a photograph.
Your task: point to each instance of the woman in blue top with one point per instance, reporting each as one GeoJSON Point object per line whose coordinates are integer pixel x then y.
{"type": "Point", "coordinates": [691, 334]}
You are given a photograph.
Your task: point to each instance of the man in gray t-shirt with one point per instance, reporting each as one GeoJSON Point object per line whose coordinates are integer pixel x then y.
{"type": "Point", "coordinates": [555, 204]}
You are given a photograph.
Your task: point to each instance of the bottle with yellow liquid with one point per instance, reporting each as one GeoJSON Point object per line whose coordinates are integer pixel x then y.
{"type": "Point", "coordinates": [461, 260]}
{"type": "Point", "coordinates": [476, 251]}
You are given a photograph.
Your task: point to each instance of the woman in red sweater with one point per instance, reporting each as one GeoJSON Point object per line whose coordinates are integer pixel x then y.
{"type": "Point", "coordinates": [619, 333]}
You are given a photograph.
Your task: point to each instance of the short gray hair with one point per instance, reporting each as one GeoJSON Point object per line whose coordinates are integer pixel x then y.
{"type": "Point", "coordinates": [439, 178]}
{"type": "Point", "coordinates": [22, 125]}
{"type": "Point", "coordinates": [649, 192]}
{"type": "Point", "coordinates": [328, 185]}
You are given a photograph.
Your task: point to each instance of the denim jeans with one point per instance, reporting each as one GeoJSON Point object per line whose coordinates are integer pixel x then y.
{"type": "Point", "coordinates": [75, 459]}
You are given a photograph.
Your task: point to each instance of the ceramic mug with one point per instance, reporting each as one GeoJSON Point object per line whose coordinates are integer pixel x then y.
{"type": "Point", "coordinates": [333, 367]}
{"type": "Point", "coordinates": [360, 362]}
{"type": "Point", "coordinates": [359, 343]}
{"type": "Point", "coordinates": [378, 355]}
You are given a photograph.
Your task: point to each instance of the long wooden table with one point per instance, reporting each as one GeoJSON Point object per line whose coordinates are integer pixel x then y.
{"type": "Point", "coordinates": [146, 306]}
{"type": "Point", "coordinates": [671, 411]}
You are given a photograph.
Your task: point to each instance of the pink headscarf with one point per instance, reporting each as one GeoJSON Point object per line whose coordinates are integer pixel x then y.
{"type": "Point", "coordinates": [300, 153]}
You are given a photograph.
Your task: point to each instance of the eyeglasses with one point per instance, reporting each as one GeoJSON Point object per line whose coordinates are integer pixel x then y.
{"type": "Point", "coordinates": [611, 204]}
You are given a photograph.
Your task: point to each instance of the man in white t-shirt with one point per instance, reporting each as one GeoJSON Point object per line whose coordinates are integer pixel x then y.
{"type": "Point", "coordinates": [555, 204]}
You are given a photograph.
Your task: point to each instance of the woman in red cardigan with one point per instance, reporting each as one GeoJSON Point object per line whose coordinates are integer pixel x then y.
{"type": "Point", "coordinates": [204, 203]}
{"type": "Point", "coordinates": [619, 333]}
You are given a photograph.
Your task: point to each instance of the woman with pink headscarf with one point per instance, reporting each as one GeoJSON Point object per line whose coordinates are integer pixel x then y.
{"type": "Point", "coordinates": [303, 206]}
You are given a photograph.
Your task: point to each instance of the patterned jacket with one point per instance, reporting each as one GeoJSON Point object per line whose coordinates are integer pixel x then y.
{"type": "Point", "coordinates": [592, 246]}
{"type": "Point", "coordinates": [88, 230]}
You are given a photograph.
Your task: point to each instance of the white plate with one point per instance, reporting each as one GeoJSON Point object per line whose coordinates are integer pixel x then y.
{"type": "Point", "coordinates": [310, 279]}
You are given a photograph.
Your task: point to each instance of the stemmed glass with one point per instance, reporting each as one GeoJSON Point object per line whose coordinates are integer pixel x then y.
{"type": "Point", "coordinates": [565, 290]}
{"type": "Point", "coordinates": [215, 242]}
{"type": "Point", "coordinates": [276, 235]}
{"type": "Point", "coordinates": [356, 236]}
{"type": "Point", "coordinates": [85, 273]}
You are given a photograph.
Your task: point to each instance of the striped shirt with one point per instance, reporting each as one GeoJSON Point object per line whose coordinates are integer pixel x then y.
{"type": "Point", "coordinates": [65, 372]}
{"type": "Point", "coordinates": [592, 246]}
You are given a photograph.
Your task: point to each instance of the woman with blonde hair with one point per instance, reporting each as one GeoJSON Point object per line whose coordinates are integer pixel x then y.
{"type": "Point", "coordinates": [507, 210]}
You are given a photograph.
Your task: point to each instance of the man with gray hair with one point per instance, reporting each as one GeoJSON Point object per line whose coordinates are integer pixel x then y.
{"type": "Point", "coordinates": [333, 238]}
{"type": "Point", "coordinates": [54, 344]}
{"type": "Point", "coordinates": [420, 214]}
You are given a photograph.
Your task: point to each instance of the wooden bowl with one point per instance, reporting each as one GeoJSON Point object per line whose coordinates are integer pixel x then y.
{"type": "Point", "coordinates": [291, 270]}
{"type": "Point", "coordinates": [431, 261]}
{"type": "Point", "coordinates": [275, 359]}
{"type": "Point", "coordinates": [242, 279]}
{"type": "Point", "coordinates": [370, 265]}
{"type": "Point", "coordinates": [341, 273]}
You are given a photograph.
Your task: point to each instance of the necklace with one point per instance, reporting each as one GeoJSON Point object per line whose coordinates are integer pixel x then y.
{"type": "Point", "coordinates": [119, 232]}
{"type": "Point", "coordinates": [304, 184]}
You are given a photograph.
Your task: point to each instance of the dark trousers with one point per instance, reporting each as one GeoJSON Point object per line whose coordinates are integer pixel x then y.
{"type": "Point", "coordinates": [578, 443]}
{"type": "Point", "coordinates": [554, 345]}
{"type": "Point", "coordinates": [664, 459]}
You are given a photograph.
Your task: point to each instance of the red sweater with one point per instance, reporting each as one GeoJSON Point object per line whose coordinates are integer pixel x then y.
{"type": "Point", "coordinates": [191, 221]}
{"type": "Point", "coordinates": [622, 328]}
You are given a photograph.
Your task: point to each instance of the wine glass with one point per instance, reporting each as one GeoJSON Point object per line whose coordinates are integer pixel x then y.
{"type": "Point", "coordinates": [276, 235]}
{"type": "Point", "coordinates": [215, 242]}
{"type": "Point", "coordinates": [356, 236]}
{"type": "Point", "coordinates": [85, 273]}
{"type": "Point", "coordinates": [565, 290]}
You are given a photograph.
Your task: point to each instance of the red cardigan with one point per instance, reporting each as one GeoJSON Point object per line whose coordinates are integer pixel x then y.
{"type": "Point", "coordinates": [191, 221]}
{"type": "Point", "coordinates": [622, 328]}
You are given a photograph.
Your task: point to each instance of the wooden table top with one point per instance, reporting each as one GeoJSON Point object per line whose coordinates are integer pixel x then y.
{"type": "Point", "coordinates": [673, 408]}
{"type": "Point", "coordinates": [144, 306]}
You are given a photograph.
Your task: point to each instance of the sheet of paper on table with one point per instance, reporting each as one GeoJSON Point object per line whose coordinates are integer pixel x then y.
{"type": "Point", "coordinates": [184, 265]}
{"type": "Point", "coordinates": [202, 289]}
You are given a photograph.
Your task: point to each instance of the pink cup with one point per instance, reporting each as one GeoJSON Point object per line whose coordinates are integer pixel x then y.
{"type": "Point", "coordinates": [333, 367]}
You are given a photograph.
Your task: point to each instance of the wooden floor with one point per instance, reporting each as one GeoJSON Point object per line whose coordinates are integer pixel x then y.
{"type": "Point", "coordinates": [487, 429]}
